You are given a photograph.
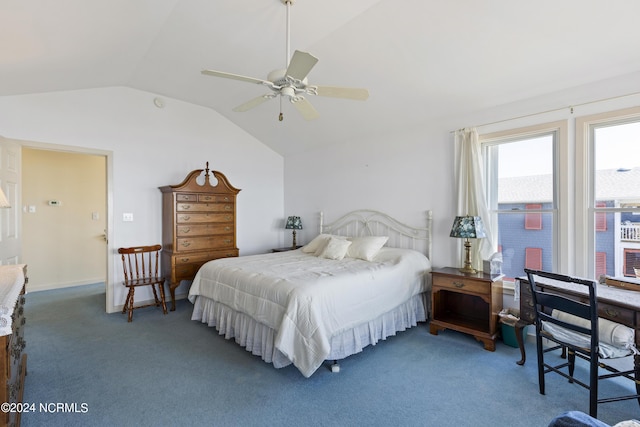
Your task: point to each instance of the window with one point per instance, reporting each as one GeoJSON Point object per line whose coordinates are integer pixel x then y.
{"type": "Point", "coordinates": [520, 169]}
{"type": "Point", "coordinates": [613, 186]}
{"type": "Point", "coordinates": [579, 203]}
{"type": "Point", "coordinates": [631, 262]}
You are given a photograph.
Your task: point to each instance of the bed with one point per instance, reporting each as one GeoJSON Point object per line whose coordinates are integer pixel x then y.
{"type": "Point", "coordinates": [362, 279]}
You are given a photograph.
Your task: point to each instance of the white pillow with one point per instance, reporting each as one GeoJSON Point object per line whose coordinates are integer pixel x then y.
{"type": "Point", "coordinates": [318, 243]}
{"type": "Point", "coordinates": [335, 248]}
{"type": "Point", "coordinates": [366, 248]}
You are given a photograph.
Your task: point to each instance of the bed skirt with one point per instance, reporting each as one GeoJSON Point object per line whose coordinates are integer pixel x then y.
{"type": "Point", "coordinates": [259, 339]}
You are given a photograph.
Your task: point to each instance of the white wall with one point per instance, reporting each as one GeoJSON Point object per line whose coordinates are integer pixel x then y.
{"type": "Point", "coordinates": [151, 147]}
{"type": "Point", "coordinates": [409, 170]}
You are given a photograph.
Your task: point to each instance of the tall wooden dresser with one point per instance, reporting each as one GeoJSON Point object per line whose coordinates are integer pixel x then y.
{"type": "Point", "coordinates": [13, 359]}
{"type": "Point", "coordinates": [198, 225]}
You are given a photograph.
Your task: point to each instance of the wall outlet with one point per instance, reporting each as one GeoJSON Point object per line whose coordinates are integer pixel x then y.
{"type": "Point", "coordinates": [127, 217]}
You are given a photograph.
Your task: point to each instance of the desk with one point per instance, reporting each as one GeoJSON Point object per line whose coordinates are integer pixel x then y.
{"type": "Point", "coordinates": [616, 304]}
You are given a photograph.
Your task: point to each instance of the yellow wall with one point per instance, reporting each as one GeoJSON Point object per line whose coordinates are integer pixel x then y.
{"type": "Point", "coordinates": [63, 245]}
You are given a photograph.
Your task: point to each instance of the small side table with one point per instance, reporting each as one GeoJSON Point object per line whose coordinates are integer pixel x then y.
{"type": "Point", "coordinates": [467, 303]}
{"type": "Point", "coordinates": [287, 248]}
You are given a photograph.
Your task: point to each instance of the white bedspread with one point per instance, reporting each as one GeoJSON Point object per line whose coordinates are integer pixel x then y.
{"type": "Point", "coordinates": [307, 299]}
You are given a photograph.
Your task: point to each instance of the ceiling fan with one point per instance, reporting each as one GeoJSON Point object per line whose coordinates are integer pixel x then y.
{"type": "Point", "coordinates": [292, 83]}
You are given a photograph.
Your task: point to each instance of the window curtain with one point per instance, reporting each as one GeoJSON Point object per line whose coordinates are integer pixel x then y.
{"type": "Point", "coordinates": [471, 196]}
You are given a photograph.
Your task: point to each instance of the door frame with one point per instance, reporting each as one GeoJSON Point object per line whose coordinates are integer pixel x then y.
{"type": "Point", "coordinates": [109, 306]}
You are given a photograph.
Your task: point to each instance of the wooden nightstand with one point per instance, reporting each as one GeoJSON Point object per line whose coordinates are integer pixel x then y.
{"type": "Point", "coordinates": [467, 303]}
{"type": "Point", "coordinates": [287, 248]}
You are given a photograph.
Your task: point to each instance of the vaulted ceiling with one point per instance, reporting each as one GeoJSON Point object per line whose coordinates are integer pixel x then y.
{"type": "Point", "coordinates": [420, 59]}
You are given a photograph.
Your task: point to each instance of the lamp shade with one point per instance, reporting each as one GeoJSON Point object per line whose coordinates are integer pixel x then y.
{"type": "Point", "coordinates": [4, 203]}
{"type": "Point", "coordinates": [468, 227]}
{"type": "Point", "coordinates": [294, 223]}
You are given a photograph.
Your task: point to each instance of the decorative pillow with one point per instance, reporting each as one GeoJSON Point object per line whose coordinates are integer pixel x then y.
{"type": "Point", "coordinates": [366, 248]}
{"type": "Point", "coordinates": [335, 248]}
{"type": "Point", "coordinates": [318, 243]}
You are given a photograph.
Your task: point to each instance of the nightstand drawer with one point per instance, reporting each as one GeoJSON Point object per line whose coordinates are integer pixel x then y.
{"type": "Point", "coordinates": [461, 284]}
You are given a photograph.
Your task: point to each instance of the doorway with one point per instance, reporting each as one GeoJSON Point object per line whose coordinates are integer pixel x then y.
{"type": "Point", "coordinates": [65, 217]}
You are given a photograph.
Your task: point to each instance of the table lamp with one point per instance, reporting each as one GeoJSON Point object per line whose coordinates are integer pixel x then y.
{"type": "Point", "coordinates": [467, 227]}
{"type": "Point", "coordinates": [294, 223]}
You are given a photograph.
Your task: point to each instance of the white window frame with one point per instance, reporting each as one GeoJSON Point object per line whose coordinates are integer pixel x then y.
{"type": "Point", "coordinates": [562, 233]}
{"type": "Point", "coordinates": [585, 185]}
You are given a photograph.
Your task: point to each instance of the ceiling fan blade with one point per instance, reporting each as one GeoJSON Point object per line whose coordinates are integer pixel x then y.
{"type": "Point", "coordinates": [306, 109]}
{"type": "Point", "coordinates": [343, 92]}
{"type": "Point", "coordinates": [253, 103]}
{"type": "Point", "coordinates": [300, 65]}
{"type": "Point", "coordinates": [234, 77]}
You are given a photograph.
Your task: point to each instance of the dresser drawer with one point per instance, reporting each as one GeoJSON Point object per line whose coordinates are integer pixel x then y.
{"type": "Point", "coordinates": [185, 197]}
{"type": "Point", "coordinates": [186, 267]}
{"type": "Point", "coordinates": [204, 256]}
{"type": "Point", "coordinates": [191, 218]}
{"type": "Point", "coordinates": [205, 207]}
{"type": "Point", "coordinates": [215, 198]}
{"type": "Point", "coordinates": [204, 230]}
{"type": "Point", "coordinates": [200, 243]}
{"type": "Point", "coordinates": [461, 284]}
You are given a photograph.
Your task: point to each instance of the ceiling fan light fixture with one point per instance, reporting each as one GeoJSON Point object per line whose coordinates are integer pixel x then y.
{"type": "Point", "coordinates": [288, 91]}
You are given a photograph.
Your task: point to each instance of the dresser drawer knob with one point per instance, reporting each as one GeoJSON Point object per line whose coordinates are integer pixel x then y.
{"type": "Point", "coordinates": [227, 207]}
{"type": "Point", "coordinates": [228, 217]}
{"type": "Point", "coordinates": [186, 244]}
{"type": "Point", "coordinates": [184, 259]}
{"type": "Point", "coordinates": [185, 229]}
{"type": "Point", "coordinates": [226, 198]}
{"type": "Point", "coordinates": [458, 285]}
{"type": "Point", "coordinates": [227, 228]}
{"type": "Point", "coordinates": [186, 217]}
{"type": "Point", "coordinates": [228, 241]}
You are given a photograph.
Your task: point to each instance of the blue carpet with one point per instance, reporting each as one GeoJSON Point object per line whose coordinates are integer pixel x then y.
{"type": "Point", "coordinates": [169, 370]}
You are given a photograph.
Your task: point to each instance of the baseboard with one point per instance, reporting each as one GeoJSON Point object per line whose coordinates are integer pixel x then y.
{"type": "Point", "coordinates": [50, 286]}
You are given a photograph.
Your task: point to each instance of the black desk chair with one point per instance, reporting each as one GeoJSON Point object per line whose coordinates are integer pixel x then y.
{"type": "Point", "coordinates": [575, 326]}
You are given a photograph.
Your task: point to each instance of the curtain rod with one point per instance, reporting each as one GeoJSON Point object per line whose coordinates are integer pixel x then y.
{"type": "Point", "coordinates": [570, 107]}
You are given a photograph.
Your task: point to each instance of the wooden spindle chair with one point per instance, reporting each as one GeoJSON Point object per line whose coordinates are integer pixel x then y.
{"type": "Point", "coordinates": [141, 267]}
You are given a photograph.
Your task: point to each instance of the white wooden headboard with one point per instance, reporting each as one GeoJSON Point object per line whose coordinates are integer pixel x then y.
{"type": "Point", "coordinates": [367, 222]}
